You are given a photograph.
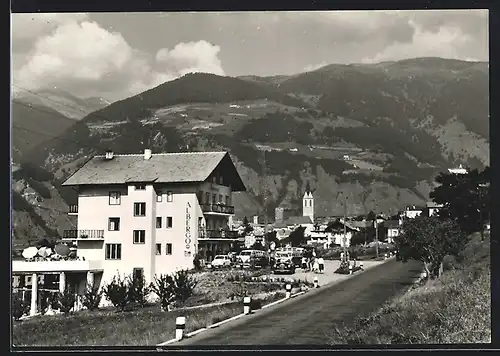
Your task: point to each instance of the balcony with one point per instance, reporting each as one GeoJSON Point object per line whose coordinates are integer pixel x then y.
{"type": "Point", "coordinates": [218, 234]}
{"type": "Point", "coordinates": [73, 209]}
{"type": "Point", "coordinates": [82, 235]}
{"type": "Point", "coordinates": [217, 209]}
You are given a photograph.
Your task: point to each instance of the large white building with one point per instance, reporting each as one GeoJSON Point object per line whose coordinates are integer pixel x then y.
{"type": "Point", "coordinates": [145, 214]}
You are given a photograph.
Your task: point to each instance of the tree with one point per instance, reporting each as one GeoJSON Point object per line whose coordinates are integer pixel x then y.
{"type": "Point", "coordinates": [464, 198]}
{"type": "Point", "coordinates": [164, 287]}
{"type": "Point", "coordinates": [117, 292]}
{"type": "Point", "coordinates": [247, 226]}
{"type": "Point", "coordinates": [92, 297]}
{"type": "Point", "coordinates": [371, 216]}
{"type": "Point", "coordinates": [297, 236]}
{"type": "Point", "coordinates": [430, 239]}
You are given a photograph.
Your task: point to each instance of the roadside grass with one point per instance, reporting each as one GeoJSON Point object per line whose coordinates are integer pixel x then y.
{"type": "Point", "coordinates": [148, 326]}
{"type": "Point", "coordinates": [455, 308]}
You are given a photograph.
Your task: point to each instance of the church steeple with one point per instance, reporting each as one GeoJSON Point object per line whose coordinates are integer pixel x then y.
{"type": "Point", "coordinates": [308, 203]}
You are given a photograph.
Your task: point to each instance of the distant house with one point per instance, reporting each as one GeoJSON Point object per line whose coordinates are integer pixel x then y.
{"type": "Point", "coordinates": [433, 208]}
{"type": "Point", "coordinates": [393, 228]}
{"type": "Point", "coordinates": [412, 212]}
{"type": "Point", "coordinates": [459, 170]}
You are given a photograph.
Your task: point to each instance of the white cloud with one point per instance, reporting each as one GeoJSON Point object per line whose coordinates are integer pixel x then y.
{"type": "Point", "coordinates": [444, 42]}
{"type": "Point", "coordinates": [84, 58]}
{"type": "Point", "coordinates": [312, 67]}
{"type": "Point", "coordinates": [189, 57]}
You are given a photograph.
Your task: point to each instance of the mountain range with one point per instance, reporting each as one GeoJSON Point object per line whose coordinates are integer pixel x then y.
{"type": "Point", "coordinates": [371, 135]}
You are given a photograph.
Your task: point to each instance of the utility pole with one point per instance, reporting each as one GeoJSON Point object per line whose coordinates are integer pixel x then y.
{"type": "Point", "coordinates": [345, 227]}
{"type": "Point", "coordinates": [376, 230]}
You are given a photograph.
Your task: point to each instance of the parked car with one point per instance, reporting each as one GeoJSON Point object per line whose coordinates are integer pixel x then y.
{"type": "Point", "coordinates": [284, 266]}
{"type": "Point", "coordinates": [221, 261]}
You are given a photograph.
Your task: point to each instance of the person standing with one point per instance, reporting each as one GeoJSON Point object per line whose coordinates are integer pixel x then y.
{"type": "Point", "coordinates": [316, 265]}
{"type": "Point", "coordinates": [304, 263]}
{"type": "Point", "coordinates": [321, 264]}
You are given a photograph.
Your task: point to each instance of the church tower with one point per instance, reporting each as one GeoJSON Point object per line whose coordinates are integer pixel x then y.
{"type": "Point", "coordinates": [308, 203]}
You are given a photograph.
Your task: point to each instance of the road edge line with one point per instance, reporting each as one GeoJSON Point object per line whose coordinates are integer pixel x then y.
{"type": "Point", "coordinates": [219, 323]}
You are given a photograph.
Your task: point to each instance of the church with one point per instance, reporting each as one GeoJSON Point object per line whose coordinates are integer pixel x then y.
{"type": "Point", "coordinates": [286, 222]}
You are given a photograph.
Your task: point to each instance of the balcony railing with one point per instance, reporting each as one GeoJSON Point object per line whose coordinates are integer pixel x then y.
{"type": "Point", "coordinates": [73, 209]}
{"type": "Point", "coordinates": [228, 234]}
{"type": "Point", "coordinates": [217, 208]}
{"type": "Point", "coordinates": [83, 234]}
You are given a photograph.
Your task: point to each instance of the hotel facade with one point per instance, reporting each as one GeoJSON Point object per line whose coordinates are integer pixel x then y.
{"type": "Point", "coordinates": [145, 215]}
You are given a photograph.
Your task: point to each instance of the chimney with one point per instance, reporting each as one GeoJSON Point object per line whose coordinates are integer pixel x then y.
{"type": "Point", "coordinates": [256, 220]}
{"type": "Point", "coordinates": [109, 154]}
{"type": "Point", "coordinates": [147, 154]}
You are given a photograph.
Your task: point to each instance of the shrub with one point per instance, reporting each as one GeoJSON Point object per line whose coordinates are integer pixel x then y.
{"type": "Point", "coordinates": [184, 285]}
{"type": "Point", "coordinates": [54, 300]}
{"type": "Point", "coordinates": [117, 292]}
{"type": "Point", "coordinates": [66, 300]}
{"type": "Point", "coordinates": [44, 301]}
{"type": "Point", "coordinates": [92, 297]}
{"type": "Point", "coordinates": [19, 306]}
{"type": "Point", "coordinates": [164, 287]}
{"type": "Point", "coordinates": [138, 291]}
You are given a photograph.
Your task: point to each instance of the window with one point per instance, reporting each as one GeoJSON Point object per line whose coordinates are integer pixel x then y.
{"type": "Point", "coordinates": [208, 197]}
{"type": "Point", "coordinates": [158, 249]}
{"type": "Point", "coordinates": [113, 251]}
{"type": "Point", "coordinates": [139, 209]}
{"type": "Point", "coordinates": [199, 195]}
{"type": "Point", "coordinates": [170, 197]}
{"type": "Point", "coordinates": [214, 197]}
{"type": "Point", "coordinates": [221, 181]}
{"type": "Point", "coordinates": [140, 187]}
{"type": "Point", "coordinates": [114, 224]}
{"type": "Point", "coordinates": [114, 198]}
{"type": "Point", "coordinates": [139, 236]}
{"type": "Point", "coordinates": [220, 198]}
{"type": "Point", "coordinates": [159, 197]}
{"type": "Point", "coordinates": [138, 273]}
{"type": "Point", "coordinates": [169, 222]}
{"type": "Point", "coordinates": [169, 249]}
{"type": "Point", "coordinates": [158, 222]}
{"type": "Point", "coordinates": [227, 199]}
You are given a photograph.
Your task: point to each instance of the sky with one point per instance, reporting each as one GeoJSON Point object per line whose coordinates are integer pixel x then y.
{"type": "Point", "coordinates": [117, 55]}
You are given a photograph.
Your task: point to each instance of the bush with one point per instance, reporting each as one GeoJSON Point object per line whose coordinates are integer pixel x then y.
{"type": "Point", "coordinates": [117, 292]}
{"type": "Point", "coordinates": [184, 285]}
{"type": "Point", "coordinates": [164, 287]}
{"type": "Point", "coordinates": [19, 306]}
{"type": "Point", "coordinates": [92, 297]}
{"type": "Point", "coordinates": [138, 291]}
{"type": "Point", "coordinates": [44, 301]}
{"type": "Point", "coordinates": [54, 300]}
{"type": "Point", "coordinates": [67, 300]}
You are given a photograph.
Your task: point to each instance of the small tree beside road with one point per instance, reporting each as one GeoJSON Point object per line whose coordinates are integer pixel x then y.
{"type": "Point", "coordinates": [429, 239]}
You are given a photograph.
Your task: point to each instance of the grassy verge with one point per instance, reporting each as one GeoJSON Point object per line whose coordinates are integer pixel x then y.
{"type": "Point", "coordinates": [148, 326]}
{"type": "Point", "coordinates": [453, 309]}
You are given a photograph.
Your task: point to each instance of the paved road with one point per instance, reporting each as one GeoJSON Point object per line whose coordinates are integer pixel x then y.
{"type": "Point", "coordinates": [308, 319]}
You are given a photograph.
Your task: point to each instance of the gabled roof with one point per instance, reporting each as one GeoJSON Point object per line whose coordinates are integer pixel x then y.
{"type": "Point", "coordinates": [431, 204]}
{"type": "Point", "coordinates": [298, 220]}
{"type": "Point", "coordinates": [188, 167]}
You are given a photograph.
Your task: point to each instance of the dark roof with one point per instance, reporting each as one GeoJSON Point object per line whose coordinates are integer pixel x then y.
{"type": "Point", "coordinates": [188, 167]}
{"type": "Point", "coordinates": [391, 224]}
{"type": "Point", "coordinates": [298, 220]}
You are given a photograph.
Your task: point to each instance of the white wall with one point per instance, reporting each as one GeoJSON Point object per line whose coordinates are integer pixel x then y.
{"type": "Point", "coordinates": [94, 211]}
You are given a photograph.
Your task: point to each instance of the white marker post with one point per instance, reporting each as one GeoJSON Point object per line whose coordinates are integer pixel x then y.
{"type": "Point", "coordinates": [361, 264]}
{"type": "Point", "coordinates": [385, 256]}
{"type": "Point", "coordinates": [180, 325]}
{"type": "Point", "coordinates": [246, 305]}
{"type": "Point", "coordinates": [288, 292]}
{"type": "Point", "coordinates": [350, 268]}
{"type": "Point", "coordinates": [316, 285]}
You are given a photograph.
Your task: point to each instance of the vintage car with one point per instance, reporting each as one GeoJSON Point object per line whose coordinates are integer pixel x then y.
{"type": "Point", "coordinates": [284, 265]}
